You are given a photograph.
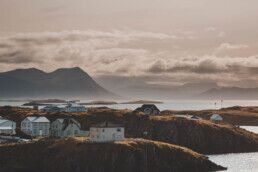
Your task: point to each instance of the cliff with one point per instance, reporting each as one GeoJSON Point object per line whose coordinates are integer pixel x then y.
{"type": "Point", "coordinates": [73, 155]}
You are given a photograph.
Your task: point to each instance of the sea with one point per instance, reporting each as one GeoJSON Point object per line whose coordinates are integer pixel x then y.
{"type": "Point", "coordinates": [236, 162]}
{"type": "Point", "coordinates": [171, 104]}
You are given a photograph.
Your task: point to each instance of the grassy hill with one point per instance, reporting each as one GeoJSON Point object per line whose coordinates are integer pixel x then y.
{"type": "Point", "coordinates": [236, 115]}
{"type": "Point", "coordinates": [201, 136]}
{"type": "Point", "coordinates": [72, 155]}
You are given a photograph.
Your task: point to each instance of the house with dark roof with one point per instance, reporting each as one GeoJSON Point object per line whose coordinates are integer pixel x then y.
{"type": "Point", "coordinates": [106, 132]}
{"type": "Point", "coordinates": [67, 127]}
{"type": "Point", "coordinates": [148, 109]}
{"type": "Point", "coordinates": [52, 108]}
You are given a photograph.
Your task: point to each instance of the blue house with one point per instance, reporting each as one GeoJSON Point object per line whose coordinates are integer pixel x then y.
{"type": "Point", "coordinates": [74, 108]}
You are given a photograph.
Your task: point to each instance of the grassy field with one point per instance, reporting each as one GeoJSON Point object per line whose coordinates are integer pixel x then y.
{"type": "Point", "coordinates": [76, 155]}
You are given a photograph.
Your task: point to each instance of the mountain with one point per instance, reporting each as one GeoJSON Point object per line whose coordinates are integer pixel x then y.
{"type": "Point", "coordinates": [230, 93]}
{"type": "Point", "coordinates": [137, 88]}
{"type": "Point", "coordinates": [62, 83]}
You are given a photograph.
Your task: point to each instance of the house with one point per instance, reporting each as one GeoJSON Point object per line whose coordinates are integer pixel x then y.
{"type": "Point", "coordinates": [66, 127]}
{"type": "Point", "coordinates": [35, 126]}
{"type": "Point", "coordinates": [71, 107]}
{"type": "Point", "coordinates": [216, 118]}
{"type": "Point", "coordinates": [7, 126]}
{"type": "Point", "coordinates": [106, 132]}
{"type": "Point", "coordinates": [148, 109]}
{"type": "Point", "coordinates": [51, 108]}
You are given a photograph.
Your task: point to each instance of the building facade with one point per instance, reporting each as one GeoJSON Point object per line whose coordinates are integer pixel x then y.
{"type": "Point", "coordinates": [106, 132]}
{"type": "Point", "coordinates": [36, 126]}
{"type": "Point", "coordinates": [67, 127]}
{"type": "Point", "coordinates": [7, 126]}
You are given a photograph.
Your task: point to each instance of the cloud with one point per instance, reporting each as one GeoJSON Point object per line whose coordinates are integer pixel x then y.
{"type": "Point", "coordinates": [228, 46]}
{"type": "Point", "coordinates": [151, 56]}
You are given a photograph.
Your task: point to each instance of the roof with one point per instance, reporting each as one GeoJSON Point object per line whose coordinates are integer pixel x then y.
{"type": "Point", "coordinates": [37, 119]}
{"type": "Point", "coordinates": [6, 128]}
{"type": "Point", "coordinates": [2, 120]}
{"type": "Point", "coordinates": [67, 121]}
{"type": "Point", "coordinates": [107, 124]}
{"type": "Point", "coordinates": [150, 106]}
{"type": "Point", "coordinates": [75, 105]}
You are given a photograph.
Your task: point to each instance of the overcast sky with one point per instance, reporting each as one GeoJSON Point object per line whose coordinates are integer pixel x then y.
{"type": "Point", "coordinates": [166, 42]}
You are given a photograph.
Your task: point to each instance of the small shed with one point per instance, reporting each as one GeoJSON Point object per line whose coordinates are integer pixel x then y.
{"type": "Point", "coordinates": [216, 118]}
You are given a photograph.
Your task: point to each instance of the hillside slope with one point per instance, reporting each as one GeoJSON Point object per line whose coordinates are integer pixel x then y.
{"type": "Point", "coordinates": [201, 136]}
{"type": "Point", "coordinates": [73, 155]}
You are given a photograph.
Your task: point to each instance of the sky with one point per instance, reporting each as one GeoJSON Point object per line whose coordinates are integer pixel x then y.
{"type": "Point", "coordinates": [160, 42]}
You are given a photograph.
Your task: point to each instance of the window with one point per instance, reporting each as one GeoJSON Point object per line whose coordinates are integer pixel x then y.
{"type": "Point", "coordinates": [103, 130]}
{"type": "Point", "coordinates": [118, 129]}
{"type": "Point", "coordinates": [75, 132]}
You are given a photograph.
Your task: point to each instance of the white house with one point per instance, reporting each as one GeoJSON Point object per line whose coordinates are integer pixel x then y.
{"type": "Point", "coordinates": [7, 126]}
{"type": "Point", "coordinates": [35, 126]}
{"type": "Point", "coordinates": [67, 127]}
{"type": "Point", "coordinates": [106, 132]}
{"type": "Point", "coordinates": [216, 118]}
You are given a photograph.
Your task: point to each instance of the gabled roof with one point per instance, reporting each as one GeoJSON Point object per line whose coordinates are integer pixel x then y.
{"type": "Point", "coordinates": [37, 119]}
{"type": "Point", "coordinates": [67, 121]}
{"type": "Point", "coordinates": [3, 120]}
{"type": "Point", "coordinates": [107, 124]}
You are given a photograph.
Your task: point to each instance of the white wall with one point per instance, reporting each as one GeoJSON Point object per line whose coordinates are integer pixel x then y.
{"type": "Point", "coordinates": [106, 134]}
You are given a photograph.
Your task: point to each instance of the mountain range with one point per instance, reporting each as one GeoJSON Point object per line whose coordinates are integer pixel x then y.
{"type": "Point", "coordinates": [138, 88]}
{"type": "Point", "coordinates": [75, 83]}
{"type": "Point", "coordinates": [61, 83]}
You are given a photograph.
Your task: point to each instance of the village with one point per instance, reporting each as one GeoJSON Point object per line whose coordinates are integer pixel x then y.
{"type": "Point", "coordinates": [105, 131]}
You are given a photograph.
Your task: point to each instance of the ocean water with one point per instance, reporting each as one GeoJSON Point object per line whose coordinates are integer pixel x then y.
{"type": "Point", "coordinates": [171, 105]}
{"type": "Point", "coordinates": [190, 104]}
{"type": "Point", "coordinates": [239, 162]}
